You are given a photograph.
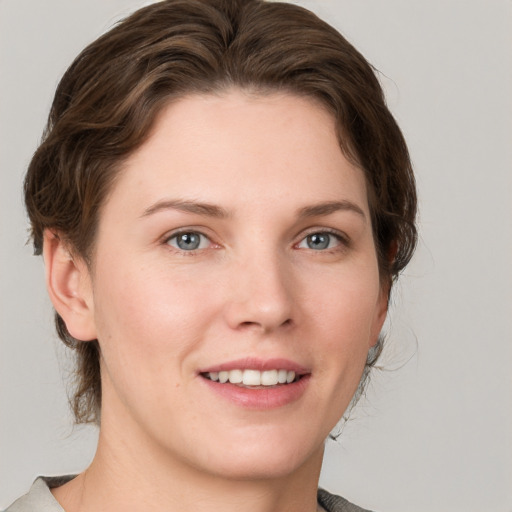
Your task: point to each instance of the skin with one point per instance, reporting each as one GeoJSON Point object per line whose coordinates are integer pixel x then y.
{"type": "Point", "coordinates": [254, 288]}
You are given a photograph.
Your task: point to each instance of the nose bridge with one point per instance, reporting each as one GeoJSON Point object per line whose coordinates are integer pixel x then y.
{"type": "Point", "coordinates": [261, 290]}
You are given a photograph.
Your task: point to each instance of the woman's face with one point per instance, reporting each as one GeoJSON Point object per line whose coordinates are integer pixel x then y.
{"type": "Point", "coordinates": [236, 244]}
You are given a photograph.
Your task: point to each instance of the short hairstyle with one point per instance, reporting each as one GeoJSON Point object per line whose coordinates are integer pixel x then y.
{"type": "Point", "coordinates": [108, 100]}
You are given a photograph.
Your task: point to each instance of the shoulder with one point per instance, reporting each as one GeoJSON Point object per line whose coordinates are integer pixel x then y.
{"type": "Point", "coordinates": [332, 503]}
{"type": "Point", "coordinates": [39, 498]}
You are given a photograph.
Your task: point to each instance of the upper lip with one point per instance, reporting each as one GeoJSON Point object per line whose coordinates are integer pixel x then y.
{"type": "Point", "coordinates": [251, 363]}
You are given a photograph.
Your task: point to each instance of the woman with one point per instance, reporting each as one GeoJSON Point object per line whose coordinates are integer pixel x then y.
{"type": "Point", "coordinates": [222, 200]}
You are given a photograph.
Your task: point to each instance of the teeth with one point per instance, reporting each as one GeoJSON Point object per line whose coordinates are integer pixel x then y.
{"type": "Point", "coordinates": [281, 376]}
{"type": "Point", "coordinates": [269, 378]}
{"type": "Point", "coordinates": [253, 377]}
{"type": "Point", "coordinates": [236, 376]}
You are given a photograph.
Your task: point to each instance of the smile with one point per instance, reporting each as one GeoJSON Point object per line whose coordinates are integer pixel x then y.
{"type": "Point", "coordinates": [257, 384]}
{"type": "Point", "coordinates": [249, 377]}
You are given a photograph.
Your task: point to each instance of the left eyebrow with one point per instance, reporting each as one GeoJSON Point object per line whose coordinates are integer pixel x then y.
{"type": "Point", "coordinates": [329, 207]}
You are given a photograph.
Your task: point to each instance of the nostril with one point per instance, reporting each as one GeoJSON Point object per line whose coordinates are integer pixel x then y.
{"type": "Point", "coordinates": [248, 324]}
{"type": "Point", "coordinates": [251, 325]}
{"type": "Point", "coordinates": [287, 322]}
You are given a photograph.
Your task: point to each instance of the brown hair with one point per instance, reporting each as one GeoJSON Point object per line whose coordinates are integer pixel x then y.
{"type": "Point", "coordinates": [107, 102]}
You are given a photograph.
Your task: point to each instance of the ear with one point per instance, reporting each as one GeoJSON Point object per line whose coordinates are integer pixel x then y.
{"type": "Point", "coordinates": [70, 288]}
{"type": "Point", "coordinates": [381, 311]}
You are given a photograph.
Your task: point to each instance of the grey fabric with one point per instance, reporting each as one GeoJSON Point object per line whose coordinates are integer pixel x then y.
{"type": "Point", "coordinates": [333, 503]}
{"type": "Point", "coordinates": [40, 499]}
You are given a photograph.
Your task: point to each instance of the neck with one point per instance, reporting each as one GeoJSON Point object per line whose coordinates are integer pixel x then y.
{"type": "Point", "coordinates": [127, 474]}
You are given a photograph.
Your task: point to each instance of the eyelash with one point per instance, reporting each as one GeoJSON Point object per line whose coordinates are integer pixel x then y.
{"type": "Point", "coordinates": [344, 241]}
{"type": "Point", "coordinates": [341, 238]}
{"type": "Point", "coordinates": [175, 235]}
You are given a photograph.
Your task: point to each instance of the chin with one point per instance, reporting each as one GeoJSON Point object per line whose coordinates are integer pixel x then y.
{"type": "Point", "coordinates": [268, 469]}
{"type": "Point", "coordinates": [265, 455]}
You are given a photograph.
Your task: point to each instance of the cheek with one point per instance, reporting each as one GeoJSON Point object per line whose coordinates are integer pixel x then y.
{"type": "Point", "coordinates": [146, 318]}
{"type": "Point", "coordinates": [347, 302]}
{"type": "Point", "coordinates": [149, 294]}
{"type": "Point", "coordinates": [344, 316]}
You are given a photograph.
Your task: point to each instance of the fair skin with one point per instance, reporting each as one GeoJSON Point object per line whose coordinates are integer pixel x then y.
{"type": "Point", "coordinates": [237, 237]}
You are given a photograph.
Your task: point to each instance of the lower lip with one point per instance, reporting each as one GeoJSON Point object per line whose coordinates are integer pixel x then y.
{"type": "Point", "coordinates": [260, 398]}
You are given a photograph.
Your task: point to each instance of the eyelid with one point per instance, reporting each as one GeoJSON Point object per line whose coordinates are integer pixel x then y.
{"type": "Point", "coordinates": [183, 230]}
{"type": "Point", "coordinates": [342, 237]}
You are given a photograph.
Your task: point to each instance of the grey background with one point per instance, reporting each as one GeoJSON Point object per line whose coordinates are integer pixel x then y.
{"type": "Point", "coordinates": [435, 431]}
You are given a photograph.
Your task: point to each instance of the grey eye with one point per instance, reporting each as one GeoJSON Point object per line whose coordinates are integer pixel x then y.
{"type": "Point", "coordinates": [188, 241]}
{"type": "Point", "coordinates": [318, 241]}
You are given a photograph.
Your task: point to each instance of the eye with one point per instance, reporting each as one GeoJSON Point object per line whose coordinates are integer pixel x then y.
{"type": "Point", "coordinates": [320, 241]}
{"type": "Point", "coordinates": [188, 241]}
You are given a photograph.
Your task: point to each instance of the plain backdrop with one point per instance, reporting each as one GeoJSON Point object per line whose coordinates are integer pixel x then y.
{"type": "Point", "coordinates": [434, 433]}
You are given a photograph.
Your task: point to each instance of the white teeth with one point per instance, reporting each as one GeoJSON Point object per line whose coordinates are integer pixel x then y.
{"type": "Point", "coordinates": [236, 376]}
{"type": "Point", "coordinates": [269, 378]}
{"type": "Point", "coordinates": [253, 377]}
{"type": "Point", "coordinates": [281, 376]}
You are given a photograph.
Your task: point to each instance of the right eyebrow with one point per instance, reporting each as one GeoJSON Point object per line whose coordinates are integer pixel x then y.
{"type": "Point", "coordinates": [206, 209]}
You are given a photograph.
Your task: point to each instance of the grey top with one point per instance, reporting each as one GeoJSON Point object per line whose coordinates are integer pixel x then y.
{"type": "Point", "coordinates": [40, 499]}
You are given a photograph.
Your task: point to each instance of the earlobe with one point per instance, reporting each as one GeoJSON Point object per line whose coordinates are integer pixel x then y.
{"type": "Point", "coordinates": [69, 287]}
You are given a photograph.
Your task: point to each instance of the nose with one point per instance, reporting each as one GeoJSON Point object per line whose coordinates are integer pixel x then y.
{"type": "Point", "coordinates": [261, 295]}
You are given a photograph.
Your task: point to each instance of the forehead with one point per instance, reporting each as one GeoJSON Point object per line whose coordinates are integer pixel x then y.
{"type": "Point", "coordinates": [237, 145]}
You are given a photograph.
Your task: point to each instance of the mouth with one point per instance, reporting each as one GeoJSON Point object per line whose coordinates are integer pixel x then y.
{"type": "Point", "coordinates": [258, 384]}
{"type": "Point", "coordinates": [254, 379]}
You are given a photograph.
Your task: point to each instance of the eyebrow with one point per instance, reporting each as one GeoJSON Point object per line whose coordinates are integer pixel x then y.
{"type": "Point", "coordinates": [206, 209]}
{"type": "Point", "coordinates": [212, 210]}
{"type": "Point", "coordinates": [329, 207]}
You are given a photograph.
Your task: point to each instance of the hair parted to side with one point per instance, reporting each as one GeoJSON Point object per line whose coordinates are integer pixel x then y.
{"type": "Point", "coordinates": [108, 100]}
